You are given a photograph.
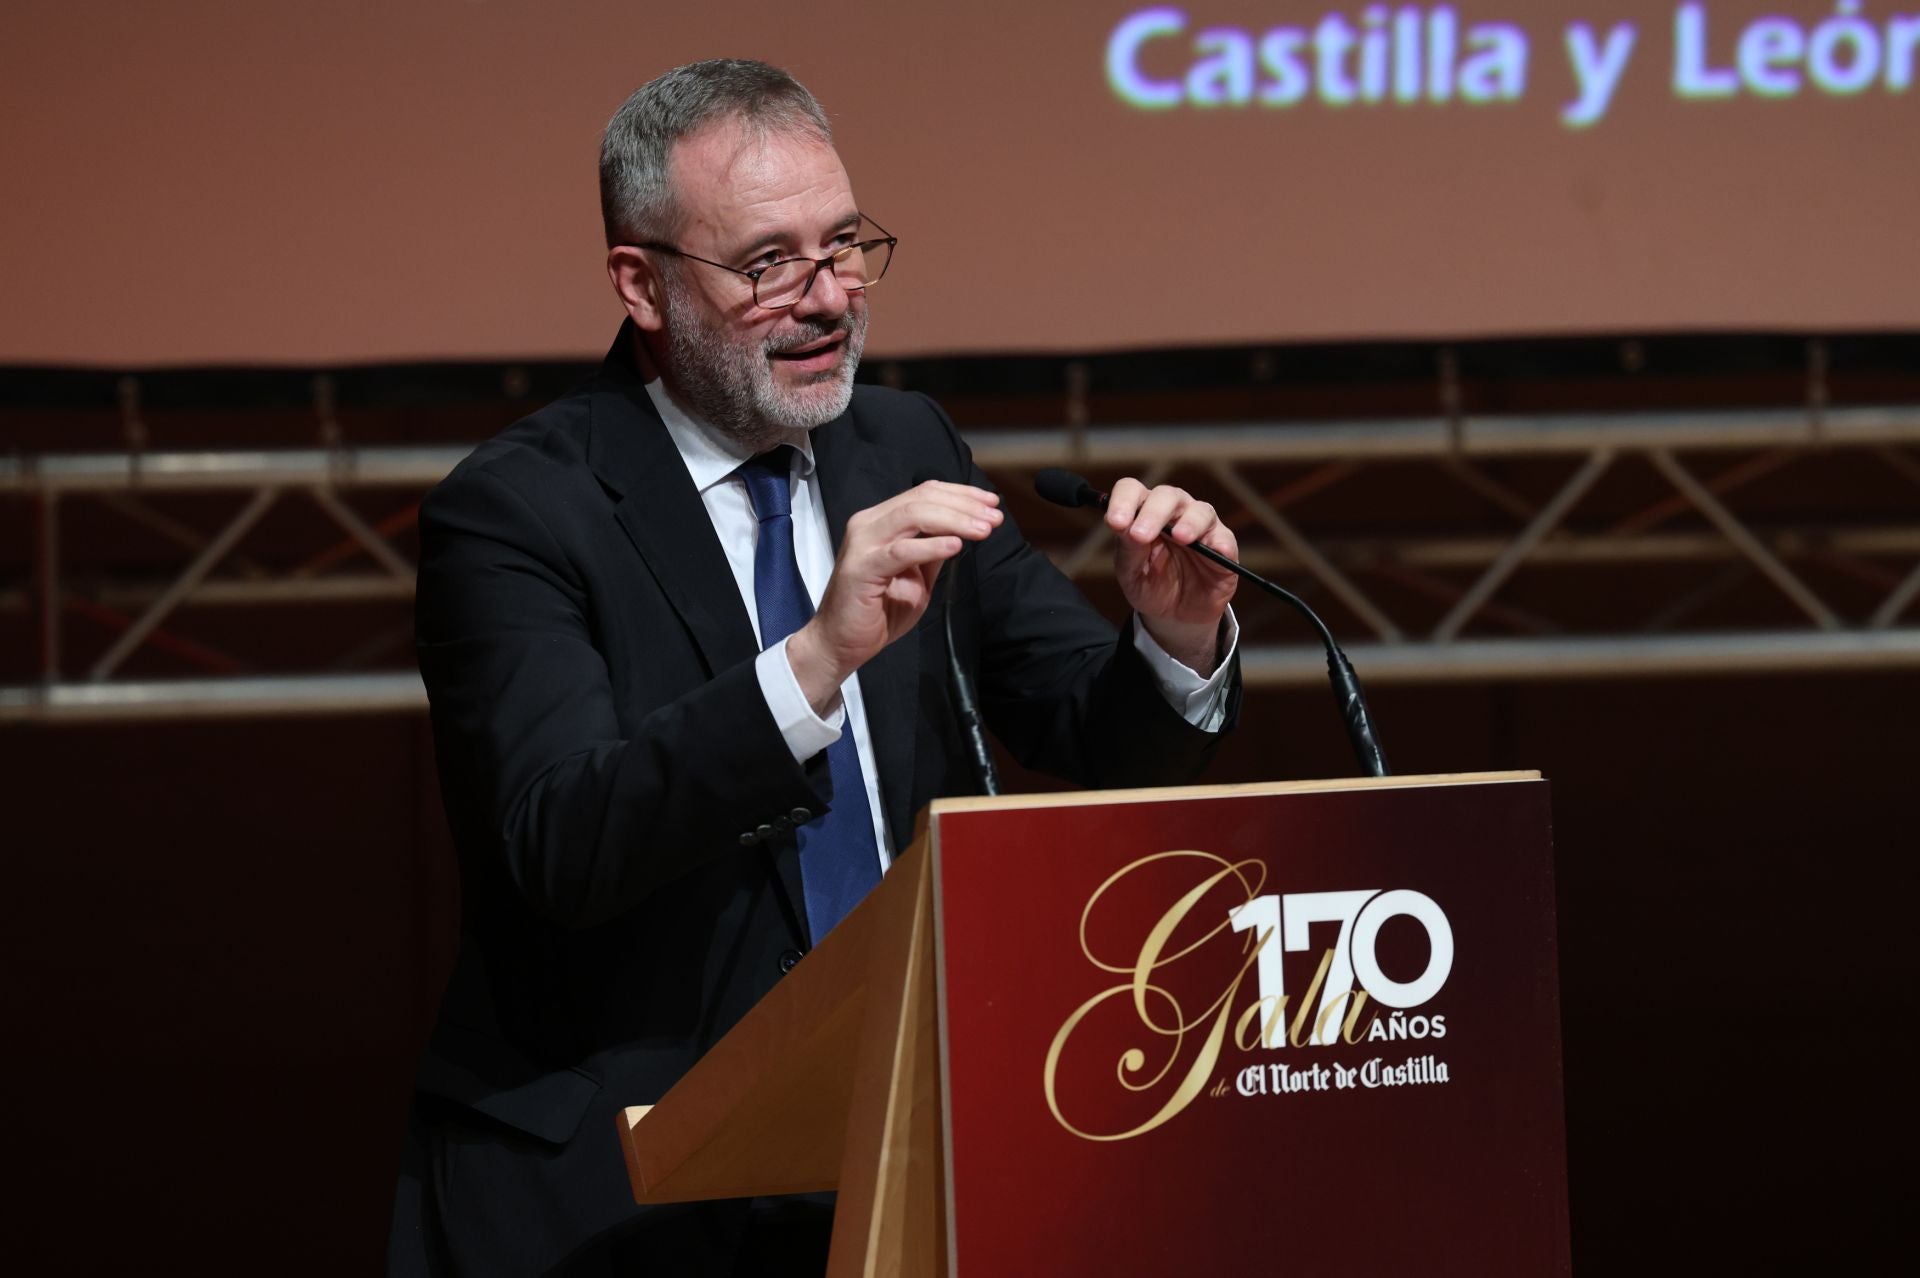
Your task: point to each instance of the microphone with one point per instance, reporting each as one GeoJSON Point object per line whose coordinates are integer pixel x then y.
{"type": "Point", "coordinates": [1064, 488]}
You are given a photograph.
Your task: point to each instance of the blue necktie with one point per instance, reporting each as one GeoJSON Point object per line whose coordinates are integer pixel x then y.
{"type": "Point", "coordinates": [839, 863]}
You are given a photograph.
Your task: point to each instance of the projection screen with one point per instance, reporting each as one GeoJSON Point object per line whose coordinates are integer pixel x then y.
{"type": "Point", "coordinates": [270, 182]}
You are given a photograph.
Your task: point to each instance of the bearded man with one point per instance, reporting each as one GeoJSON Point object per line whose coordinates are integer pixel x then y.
{"type": "Point", "coordinates": [688, 691]}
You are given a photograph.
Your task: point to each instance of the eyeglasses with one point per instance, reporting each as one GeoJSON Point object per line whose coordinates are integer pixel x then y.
{"type": "Point", "coordinates": [781, 284]}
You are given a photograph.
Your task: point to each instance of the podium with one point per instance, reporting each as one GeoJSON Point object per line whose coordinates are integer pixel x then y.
{"type": "Point", "coordinates": [1305, 1025]}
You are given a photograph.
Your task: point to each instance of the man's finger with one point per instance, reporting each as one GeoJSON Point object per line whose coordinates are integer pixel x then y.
{"type": "Point", "coordinates": [987, 495]}
{"type": "Point", "coordinates": [1193, 523]}
{"type": "Point", "coordinates": [1220, 537]}
{"type": "Point", "coordinates": [938, 493]}
{"type": "Point", "coordinates": [1123, 503]}
{"type": "Point", "coordinates": [913, 552]}
{"type": "Point", "coordinates": [933, 514]}
{"type": "Point", "coordinates": [1160, 509]}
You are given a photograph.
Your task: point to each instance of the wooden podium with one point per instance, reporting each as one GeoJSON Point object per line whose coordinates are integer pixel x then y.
{"type": "Point", "coordinates": [1161, 1031]}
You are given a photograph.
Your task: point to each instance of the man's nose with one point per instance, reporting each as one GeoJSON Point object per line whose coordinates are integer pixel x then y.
{"type": "Point", "coordinates": [827, 298]}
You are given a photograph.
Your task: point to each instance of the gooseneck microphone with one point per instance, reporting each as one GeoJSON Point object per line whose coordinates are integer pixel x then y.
{"type": "Point", "coordinates": [1064, 488]}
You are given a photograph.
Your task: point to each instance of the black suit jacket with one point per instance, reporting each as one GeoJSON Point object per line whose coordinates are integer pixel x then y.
{"type": "Point", "coordinates": [610, 768]}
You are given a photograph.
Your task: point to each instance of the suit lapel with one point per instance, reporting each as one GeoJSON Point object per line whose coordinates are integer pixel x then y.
{"type": "Point", "coordinates": [856, 473]}
{"type": "Point", "coordinates": [662, 514]}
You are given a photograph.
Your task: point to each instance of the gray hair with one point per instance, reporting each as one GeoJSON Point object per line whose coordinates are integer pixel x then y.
{"type": "Point", "coordinates": [636, 187]}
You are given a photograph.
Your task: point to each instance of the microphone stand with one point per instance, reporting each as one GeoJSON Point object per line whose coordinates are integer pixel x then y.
{"type": "Point", "coordinates": [966, 704]}
{"type": "Point", "coordinates": [967, 707]}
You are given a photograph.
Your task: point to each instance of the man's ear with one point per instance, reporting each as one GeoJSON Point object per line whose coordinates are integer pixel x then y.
{"type": "Point", "coordinates": [637, 281]}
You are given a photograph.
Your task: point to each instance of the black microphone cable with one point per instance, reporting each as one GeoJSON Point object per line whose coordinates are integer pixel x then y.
{"type": "Point", "coordinates": [966, 704]}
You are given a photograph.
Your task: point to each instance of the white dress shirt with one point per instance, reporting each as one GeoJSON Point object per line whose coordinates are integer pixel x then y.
{"type": "Point", "coordinates": [712, 459]}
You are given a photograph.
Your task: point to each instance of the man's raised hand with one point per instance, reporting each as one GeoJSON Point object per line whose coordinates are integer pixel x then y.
{"type": "Point", "coordinates": [883, 579]}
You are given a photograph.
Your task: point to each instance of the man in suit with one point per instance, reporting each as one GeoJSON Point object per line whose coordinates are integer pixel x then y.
{"type": "Point", "coordinates": [683, 636]}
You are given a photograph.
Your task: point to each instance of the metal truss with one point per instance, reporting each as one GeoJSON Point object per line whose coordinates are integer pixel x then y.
{"type": "Point", "coordinates": [1502, 595]}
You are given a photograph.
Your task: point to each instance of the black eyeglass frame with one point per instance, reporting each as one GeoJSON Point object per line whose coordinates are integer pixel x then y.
{"type": "Point", "coordinates": [818, 263]}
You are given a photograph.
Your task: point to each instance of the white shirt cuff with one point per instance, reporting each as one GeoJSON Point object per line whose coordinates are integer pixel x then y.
{"type": "Point", "coordinates": [1201, 702]}
{"type": "Point", "coordinates": [806, 733]}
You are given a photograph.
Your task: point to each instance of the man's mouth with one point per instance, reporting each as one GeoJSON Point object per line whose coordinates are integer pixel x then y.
{"type": "Point", "coordinates": [814, 357]}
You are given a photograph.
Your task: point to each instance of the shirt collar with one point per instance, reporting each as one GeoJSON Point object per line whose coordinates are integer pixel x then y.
{"type": "Point", "coordinates": [710, 456]}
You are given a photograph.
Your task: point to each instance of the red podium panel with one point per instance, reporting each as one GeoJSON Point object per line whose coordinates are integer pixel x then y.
{"type": "Point", "coordinates": [1135, 997]}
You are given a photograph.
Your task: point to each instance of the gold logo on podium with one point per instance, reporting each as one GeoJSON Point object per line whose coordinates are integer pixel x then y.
{"type": "Point", "coordinates": [1166, 1053]}
{"type": "Point", "coordinates": [1161, 1019]}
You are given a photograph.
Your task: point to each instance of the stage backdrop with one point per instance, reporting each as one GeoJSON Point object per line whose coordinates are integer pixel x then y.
{"type": "Point", "coordinates": [262, 180]}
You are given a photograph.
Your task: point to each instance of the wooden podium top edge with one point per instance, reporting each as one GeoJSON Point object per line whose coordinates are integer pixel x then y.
{"type": "Point", "coordinates": [1088, 798]}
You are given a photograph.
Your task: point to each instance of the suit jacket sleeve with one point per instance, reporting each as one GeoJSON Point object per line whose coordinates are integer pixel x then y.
{"type": "Point", "coordinates": [587, 814]}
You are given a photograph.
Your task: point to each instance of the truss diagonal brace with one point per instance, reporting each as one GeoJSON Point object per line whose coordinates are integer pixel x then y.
{"type": "Point", "coordinates": [183, 585]}
{"type": "Point", "coordinates": [1489, 487]}
{"type": "Point", "coordinates": [379, 547]}
{"type": "Point", "coordinates": [1520, 547]}
{"type": "Point", "coordinates": [1300, 548]}
{"type": "Point", "coordinates": [1896, 603]}
{"type": "Point", "coordinates": [1736, 532]}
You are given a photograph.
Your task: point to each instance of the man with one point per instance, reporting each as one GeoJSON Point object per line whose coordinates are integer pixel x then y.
{"type": "Point", "coordinates": [688, 679]}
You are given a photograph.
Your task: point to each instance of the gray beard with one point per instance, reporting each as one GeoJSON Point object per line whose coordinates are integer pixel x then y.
{"type": "Point", "coordinates": [729, 383]}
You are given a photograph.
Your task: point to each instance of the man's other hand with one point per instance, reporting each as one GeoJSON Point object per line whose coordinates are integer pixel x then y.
{"type": "Point", "coordinates": [1180, 597]}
